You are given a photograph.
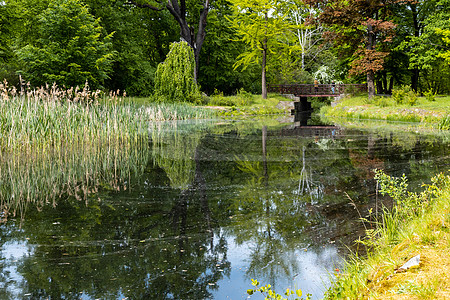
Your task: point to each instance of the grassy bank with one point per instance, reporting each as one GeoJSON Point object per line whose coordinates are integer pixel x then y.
{"type": "Point", "coordinates": [429, 113]}
{"type": "Point", "coordinates": [417, 226]}
{"type": "Point", "coordinates": [246, 104]}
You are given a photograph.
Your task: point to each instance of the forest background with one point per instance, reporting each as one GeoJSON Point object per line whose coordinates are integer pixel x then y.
{"type": "Point", "coordinates": [237, 44]}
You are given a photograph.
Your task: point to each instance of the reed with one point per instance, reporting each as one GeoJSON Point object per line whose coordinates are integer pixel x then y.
{"type": "Point", "coordinates": [56, 142]}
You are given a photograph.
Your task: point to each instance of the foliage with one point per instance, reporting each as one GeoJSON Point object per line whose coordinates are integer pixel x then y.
{"type": "Point", "coordinates": [242, 98]}
{"type": "Point", "coordinates": [6, 17]}
{"type": "Point", "coordinates": [69, 49]}
{"type": "Point", "coordinates": [349, 23]}
{"type": "Point", "coordinates": [406, 230]}
{"type": "Point", "coordinates": [404, 95]}
{"type": "Point", "coordinates": [267, 291]}
{"type": "Point", "coordinates": [380, 101]}
{"type": "Point", "coordinates": [426, 114]}
{"type": "Point", "coordinates": [219, 55]}
{"type": "Point", "coordinates": [422, 45]}
{"type": "Point", "coordinates": [174, 80]}
{"type": "Point", "coordinates": [446, 39]}
{"type": "Point", "coordinates": [260, 25]}
{"type": "Point", "coordinates": [407, 204]}
{"type": "Point", "coordinates": [430, 95]}
{"type": "Point", "coordinates": [141, 40]}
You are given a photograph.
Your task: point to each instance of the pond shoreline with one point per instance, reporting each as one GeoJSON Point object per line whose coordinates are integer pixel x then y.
{"type": "Point", "coordinates": [426, 235]}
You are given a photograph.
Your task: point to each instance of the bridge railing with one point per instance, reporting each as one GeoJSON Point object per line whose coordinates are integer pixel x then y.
{"type": "Point", "coordinates": [317, 90]}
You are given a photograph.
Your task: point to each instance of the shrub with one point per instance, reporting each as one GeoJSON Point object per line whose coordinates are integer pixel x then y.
{"type": "Point", "coordinates": [398, 95]}
{"type": "Point", "coordinates": [404, 95]}
{"type": "Point", "coordinates": [430, 95]}
{"type": "Point", "coordinates": [219, 99]}
{"type": "Point", "coordinates": [382, 101]}
{"type": "Point", "coordinates": [243, 98]}
{"type": "Point", "coordinates": [412, 98]}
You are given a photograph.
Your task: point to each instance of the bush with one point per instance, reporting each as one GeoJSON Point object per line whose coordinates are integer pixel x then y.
{"type": "Point", "coordinates": [243, 98]}
{"type": "Point", "coordinates": [404, 95]}
{"type": "Point", "coordinates": [412, 98]}
{"type": "Point", "coordinates": [430, 95]}
{"type": "Point", "coordinates": [219, 99]}
{"type": "Point", "coordinates": [399, 96]}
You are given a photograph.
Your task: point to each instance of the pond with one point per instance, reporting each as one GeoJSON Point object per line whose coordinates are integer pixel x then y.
{"type": "Point", "coordinates": [197, 209]}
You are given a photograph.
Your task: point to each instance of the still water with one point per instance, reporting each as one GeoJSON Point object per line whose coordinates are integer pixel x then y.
{"type": "Point", "coordinates": [199, 208]}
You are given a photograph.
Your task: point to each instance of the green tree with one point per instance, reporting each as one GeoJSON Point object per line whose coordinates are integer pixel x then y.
{"type": "Point", "coordinates": [69, 49]}
{"type": "Point", "coordinates": [418, 41]}
{"type": "Point", "coordinates": [141, 40]}
{"type": "Point", "coordinates": [261, 26]}
{"type": "Point", "coordinates": [8, 19]}
{"type": "Point", "coordinates": [218, 56]}
{"type": "Point", "coordinates": [175, 81]}
{"type": "Point", "coordinates": [5, 28]}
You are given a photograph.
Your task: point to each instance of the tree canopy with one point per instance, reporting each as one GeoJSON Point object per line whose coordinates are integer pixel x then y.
{"type": "Point", "coordinates": [69, 49]}
{"type": "Point", "coordinates": [119, 44]}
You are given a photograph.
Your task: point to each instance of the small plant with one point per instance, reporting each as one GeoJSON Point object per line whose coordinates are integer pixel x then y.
{"type": "Point", "coordinates": [407, 203]}
{"type": "Point", "coordinates": [243, 98]}
{"type": "Point", "coordinates": [445, 123]}
{"type": "Point", "coordinates": [404, 95]}
{"type": "Point", "coordinates": [382, 101]}
{"type": "Point", "coordinates": [412, 98]}
{"type": "Point", "coordinates": [430, 95]}
{"type": "Point", "coordinates": [220, 100]}
{"type": "Point", "coordinates": [267, 291]}
{"type": "Point", "coordinates": [399, 96]}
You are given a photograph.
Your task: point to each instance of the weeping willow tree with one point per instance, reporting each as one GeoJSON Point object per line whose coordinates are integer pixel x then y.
{"type": "Point", "coordinates": [175, 81]}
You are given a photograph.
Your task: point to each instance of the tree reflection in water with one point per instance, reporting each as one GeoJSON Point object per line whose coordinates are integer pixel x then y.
{"type": "Point", "coordinates": [201, 204]}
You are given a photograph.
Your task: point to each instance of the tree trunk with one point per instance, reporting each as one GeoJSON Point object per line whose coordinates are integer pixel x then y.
{"type": "Point", "coordinates": [263, 75]}
{"type": "Point", "coordinates": [370, 72]}
{"type": "Point", "coordinates": [371, 83]}
{"type": "Point", "coordinates": [178, 11]}
{"type": "Point", "coordinates": [263, 65]}
{"type": "Point", "coordinates": [391, 85]}
{"type": "Point", "coordinates": [415, 71]}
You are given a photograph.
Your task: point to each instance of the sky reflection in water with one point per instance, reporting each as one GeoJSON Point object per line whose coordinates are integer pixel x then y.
{"type": "Point", "coordinates": [210, 207]}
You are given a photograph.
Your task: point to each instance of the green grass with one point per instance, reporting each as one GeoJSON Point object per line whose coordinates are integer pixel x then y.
{"type": "Point", "coordinates": [246, 104]}
{"type": "Point", "coordinates": [421, 227]}
{"type": "Point", "coordinates": [433, 114]}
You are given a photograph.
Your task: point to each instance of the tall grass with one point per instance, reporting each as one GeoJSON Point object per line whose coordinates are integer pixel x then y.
{"type": "Point", "coordinates": [411, 225]}
{"type": "Point", "coordinates": [55, 142]}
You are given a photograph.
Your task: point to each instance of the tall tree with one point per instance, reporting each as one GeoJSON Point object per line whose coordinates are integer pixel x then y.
{"type": "Point", "coordinates": [179, 10]}
{"type": "Point", "coordinates": [361, 28]}
{"type": "Point", "coordinates": [5, 31]}
{"type": "Point", "coordinates": [218, 55]}
{"type": "Point", "coordinates": [308, 35]}
{"type": "Point", "coordinates": [446, 38]}
{"type": "Point", "coordinates": [261, 25]}
{"type": "Point", "coordinates": [413, 19]}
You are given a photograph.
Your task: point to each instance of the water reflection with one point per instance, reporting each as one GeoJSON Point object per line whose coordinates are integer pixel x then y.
{"type": "Point", "coordinates": [208, 207]}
